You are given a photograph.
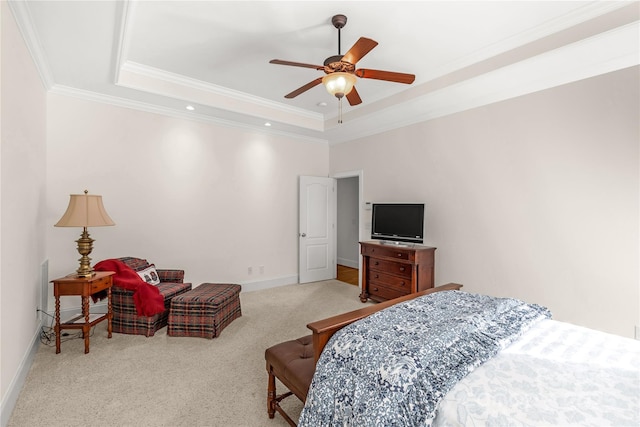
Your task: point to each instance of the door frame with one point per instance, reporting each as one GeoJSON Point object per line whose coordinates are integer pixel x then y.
{"type": "Point", "coordinates": [361, 211]}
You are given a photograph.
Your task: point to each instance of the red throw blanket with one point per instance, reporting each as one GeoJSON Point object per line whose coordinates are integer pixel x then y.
{"type": "Point", "coordinates": [146, 297]}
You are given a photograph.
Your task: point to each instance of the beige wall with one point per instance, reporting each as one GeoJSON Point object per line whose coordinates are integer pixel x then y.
{"type": "Point", "coordinates": [22, 198]}
{"type": "Point", "coordinates": [535, 197]}
{"type": "Point", "coordinates": [209, 199]}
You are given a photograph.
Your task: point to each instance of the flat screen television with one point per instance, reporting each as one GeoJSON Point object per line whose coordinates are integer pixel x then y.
{"type": "Point", "coordinates": [398, 222]}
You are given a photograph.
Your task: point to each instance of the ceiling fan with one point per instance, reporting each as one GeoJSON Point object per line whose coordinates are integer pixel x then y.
{"type": "Point", "coordinates": [341, 70]}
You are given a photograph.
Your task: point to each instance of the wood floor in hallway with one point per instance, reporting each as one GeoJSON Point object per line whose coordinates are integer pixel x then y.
{"type": "Point", "coordinates": [348, 274]}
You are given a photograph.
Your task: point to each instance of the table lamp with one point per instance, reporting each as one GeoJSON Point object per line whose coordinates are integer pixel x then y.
{"type": "Point", "coordinates": [85, 210]}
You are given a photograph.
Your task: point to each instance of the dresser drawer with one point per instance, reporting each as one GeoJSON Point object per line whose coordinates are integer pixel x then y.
{"type": "Point", "coordinates": [390, 267]}
{"type": "Point", "coordinates": [382, 292]}
{"type": "Point", "coordinates": [399, 283]}
{"type": "Point", "coordinates": [380, 251]}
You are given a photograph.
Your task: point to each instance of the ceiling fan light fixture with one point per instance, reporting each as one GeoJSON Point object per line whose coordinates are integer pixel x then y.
{"type": "Point", "coordinates": [339, 84]}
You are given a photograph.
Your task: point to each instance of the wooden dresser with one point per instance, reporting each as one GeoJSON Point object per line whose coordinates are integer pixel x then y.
{"type": "Point", "coordinates": [390, 271]}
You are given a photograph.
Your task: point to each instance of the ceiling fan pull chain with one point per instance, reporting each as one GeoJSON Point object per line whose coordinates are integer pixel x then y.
{"type": "Point", "coordinates": [340, 110]}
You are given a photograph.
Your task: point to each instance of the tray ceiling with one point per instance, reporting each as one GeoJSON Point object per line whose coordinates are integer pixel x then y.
{"type": "Point", "coordinates": [214, 55]}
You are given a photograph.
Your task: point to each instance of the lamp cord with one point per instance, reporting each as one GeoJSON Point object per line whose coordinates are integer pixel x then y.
{"type": "Point", "coordinates": [48, 335]}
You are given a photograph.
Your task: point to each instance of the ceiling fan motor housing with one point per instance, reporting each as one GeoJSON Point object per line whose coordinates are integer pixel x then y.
{"type": "Point", "coordinates": [335, 64]}
{"type": "Point", "coordinates": [339, 21]}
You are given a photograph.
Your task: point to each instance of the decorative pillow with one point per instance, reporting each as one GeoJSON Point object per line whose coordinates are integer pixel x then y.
{"type": "Point", "coordinates": [149, 275]}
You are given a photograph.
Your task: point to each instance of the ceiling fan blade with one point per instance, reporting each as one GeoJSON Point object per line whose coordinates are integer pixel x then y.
{"type": "Point", "coordinates": [353, 97]}
{"type": "Point", "coordinates": [385, 75]}
{"type": "Point", "coordinates": [359, 49]}
{"type": "Point", "coordinates": [296, 64]}
{"type": "Point", "coordinates": [304, 88]}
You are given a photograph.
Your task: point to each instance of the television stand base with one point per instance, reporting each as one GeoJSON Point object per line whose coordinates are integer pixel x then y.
{"type": "Point", "coordinates": [390, 270]}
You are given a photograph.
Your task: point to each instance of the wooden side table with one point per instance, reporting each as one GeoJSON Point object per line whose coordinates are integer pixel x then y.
{"type": "Point", "coordinates": [84, 287]}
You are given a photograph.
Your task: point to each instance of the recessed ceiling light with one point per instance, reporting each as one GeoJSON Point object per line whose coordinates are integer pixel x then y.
{"type": "Point", "coordinates": [267, 124]}
{"type": "Point", "coordinates": [190, 107]}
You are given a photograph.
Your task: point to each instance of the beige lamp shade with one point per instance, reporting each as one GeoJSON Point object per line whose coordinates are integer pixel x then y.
{"type": "Point", "coordinates": [85, 210]}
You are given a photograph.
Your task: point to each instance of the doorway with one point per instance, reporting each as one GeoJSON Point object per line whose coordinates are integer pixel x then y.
{"type": "Point", "coordinates": [348, 205]}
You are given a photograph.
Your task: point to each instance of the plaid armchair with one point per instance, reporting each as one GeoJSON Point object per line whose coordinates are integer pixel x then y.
{"type": "Point", "coordinates": [125, 317]}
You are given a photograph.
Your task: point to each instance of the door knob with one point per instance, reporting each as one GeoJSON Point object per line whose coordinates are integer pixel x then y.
{"type": "Point", "coordinates": [303, 235]}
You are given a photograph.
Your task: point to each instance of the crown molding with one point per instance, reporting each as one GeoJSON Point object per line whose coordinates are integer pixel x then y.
{"type": "Point", "coordinates": [24, 21]}
{"type": "Point", "coordinates": [589, 11]}
{"type": "Point", "coordinates": [166, 111]}
{"type": "Point", "coordinates": [123, 41]}
{"type": "Point", "coordinates": [161, 82]}
{"type": "Point", "coordinates": [167, 76]}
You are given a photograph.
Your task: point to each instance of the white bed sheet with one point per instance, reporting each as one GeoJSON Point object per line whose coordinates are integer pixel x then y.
{"type": "Point", "coordinates": [557, 374]}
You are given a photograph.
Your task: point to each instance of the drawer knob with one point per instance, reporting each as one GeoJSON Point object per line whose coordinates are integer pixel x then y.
{"type": "Point", "coordinates": [401, 268]}
{"type": "Point", "coordinates": [399, 254]}
{"type": "Point", "coordinates": [377, 276]}
{"type": "Point", "coordinates": [402, 283]}
{"type": "Point", "coordinates": [375, 289]}
{"type": "Point", "coordinates": [376, 263]}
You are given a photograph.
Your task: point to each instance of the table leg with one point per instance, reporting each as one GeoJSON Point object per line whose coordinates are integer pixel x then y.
{"type": "Point", "coordinates": [109, 312]}
{"type": "Point", "coordinates": [56, 329]}
{"type": "Point", "coordinates": [87, 326]}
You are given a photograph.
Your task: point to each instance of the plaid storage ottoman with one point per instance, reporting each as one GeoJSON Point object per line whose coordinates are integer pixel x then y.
{"type": "Point", "coordinates": [204, 311]}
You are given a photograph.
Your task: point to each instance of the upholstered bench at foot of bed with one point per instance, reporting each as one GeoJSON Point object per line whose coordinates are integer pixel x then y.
{"type": "Point", "coordinates": [204, 311]}
{"type": "Point", "coordinates": [293, 363]}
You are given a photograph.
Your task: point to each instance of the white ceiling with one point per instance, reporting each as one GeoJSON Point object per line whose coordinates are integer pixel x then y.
{"type": "Point", "coordinates": [163, 55]}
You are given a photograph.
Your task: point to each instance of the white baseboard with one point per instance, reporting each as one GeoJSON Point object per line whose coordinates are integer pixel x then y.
{"type": "Point", "coordinates": [271, 283]}
{"type": "Point", "coordinates": [13, 391]}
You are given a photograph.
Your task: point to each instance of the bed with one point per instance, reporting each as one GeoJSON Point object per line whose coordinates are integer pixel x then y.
{"type": "Point", "coordinates": [453, 358]}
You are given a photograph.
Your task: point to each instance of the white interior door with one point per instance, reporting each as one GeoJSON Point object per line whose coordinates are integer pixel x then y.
{"type": "Point", "coordinates": [317, 230]}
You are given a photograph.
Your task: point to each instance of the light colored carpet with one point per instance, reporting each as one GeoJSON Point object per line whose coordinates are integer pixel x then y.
{"type": "Point", "coordinates": [132, 380]}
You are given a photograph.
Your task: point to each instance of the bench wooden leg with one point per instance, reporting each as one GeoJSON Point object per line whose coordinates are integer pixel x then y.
{"type": "Point", "coordinates": [271, 394]}
{"type": "Point", "coordinates": [273, 400]}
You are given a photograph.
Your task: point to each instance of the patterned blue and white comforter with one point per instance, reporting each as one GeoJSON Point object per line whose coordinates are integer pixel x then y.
{"type": "Point", "coordinates": [393, 367]}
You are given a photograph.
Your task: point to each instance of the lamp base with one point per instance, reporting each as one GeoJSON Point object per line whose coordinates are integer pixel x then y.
{"type": "Point", "coordinates": [85, 275]}
{"type": "Point", "coordinates": [85, 246]}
